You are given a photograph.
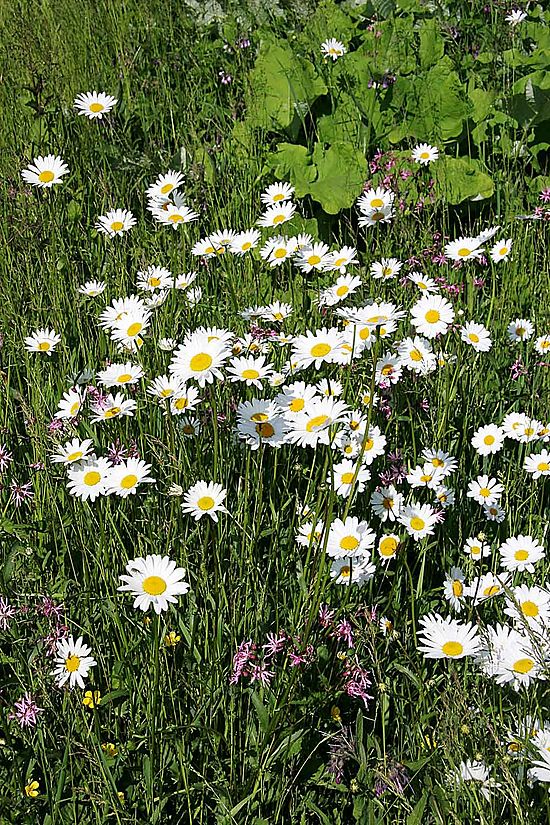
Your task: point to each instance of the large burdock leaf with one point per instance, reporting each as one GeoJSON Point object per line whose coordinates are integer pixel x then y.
{"type": "Point", "coordinates": [341, 173]}
{"type": "Point", "coordinates": [293, 162]}
{"type": "Point", "coordinates": [459, 179]}
{"type": "Point", "coordinates": [282, 86]}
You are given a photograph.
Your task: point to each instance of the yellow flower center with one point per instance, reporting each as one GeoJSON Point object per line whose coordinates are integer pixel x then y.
{"type": "Point", "coordinates": [503, 250]}
{"type": "Point", "coordinates": [347, 478]}
{"type": "Point", "coordinates": [342, 290]}
{"type": "Point", "coordinates": [364, 334]}
{"type": "Point", "coordinates": [458, 588]}
{"type": "Point", "coordinates": [417, 523]}
{"type": "Point", "coordinates": [489, 439]}
{"type": "Point", "coordinates": [113, 412]}
{"type": "Point", "coordinates": [345, 572]}
{"type": "Point", "coordinates": [529, 608]}
{"type": "Point", "coordinates": [432, 316]}
{"type": "Point", "coordinates": [521, 555]}
{"type": "Point", "coordinates": [278, 219]}
{"type": "Point", "coordinates": [485, 492]}
{"type": "Point", "coordinates": [175, 217]}
{"type": "Point", "coordinates": [259, 417]}
{"type": "Point", "coordinates": [316, 422]}
{"type": "Point", "coordinates": [166, 188]}
{"type": "Point", "coordinates": [46, 176]}
{"type": "Point", "coordinates": [246, 246]}
{"type": "Point", "coordinates": [473, 338]}
{"type": "Point", "coordinates": [124, 378]}
{"type": "Point", "coordinates": [72, 663]}
{"type": "Point", "coordinates": [296, 405]}
{"type": "Point", "coordinates": [452, 648]}
{"type": "Point", "coordinates": [388, 369]}
{"type": "Point", "coordinates": [200, 362]}
{"type": "Point", "coordinates": [388, 546]}
{"type": "Point", "coordinates": [154, 281]}
{"type": "Point", "coordinates": [44, 346]}
{"type": "Point", "coordinates": [278, 197]}
{"type": "Point", "coordinates": [205, 503]}
{"type": "Point", "coordinates": [425, 479]}
{"type": "Point", "coordinates": [129, 481]}
{"type": "Point", "coordinates": [91, 478]}
{"type": "Point", "coordinates": [492, 590]}
{"type": "Point", "coordinates": [387, 271]}
{"type": "Point", "coordinates": [349, 543]}
{"type": "Point", "coordinates": [437, 462]}
{"type": "Point", "coordinates": [134, 329]}
{"type": "Point", "coordinates": [250, 375]}
{"type": "Point", "coordinates": [416, 355]}
{"type": "Point", "coordinates": [376, 203]}
{"type": "Point", "coordinates": [313, 260]}
{"type": "Point", "coordinates": [116, 226]}
{"type": "Point", "coordinates": [167, 392]}
{"type": "Point", "coordinates": [180, 403]}
{"type": "Point", "coordinates": [424, 155]}
{"type": "Point", "coordinates": [320, 350]}
{"type": "Point", "coordinates": [154, 585]}
{"type": "Point", "coordinates": [523, 665]}
{"type": "Point", "coordinates": [74, 408]}
{"type": "Point", "coordinates": [463, 252]}
{"type": "Point", "coordinates": [543, 467]}
{"type": "Point", "coordinates": [265, 430]}
{"type": "Point", "coordinates": [75, 456]}
{"type": "Point", "coordinates": [209, 250]}
{"type": "Point", "coordinates": [339, 262]}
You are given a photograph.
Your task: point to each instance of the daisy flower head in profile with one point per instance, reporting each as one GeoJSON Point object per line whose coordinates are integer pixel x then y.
{"type": "Point", "coordinates": [277, 214]}
{"type": "Point", "coordinates": [155, 277]}
{"type": "Point", "coordinates": [447, 638]}
{"type": "Point", "coordinates": [72, 662]}
{"type": "Point", "coordinates": [124, 479]}
{"type": "Point", "coordinates": [70, 405]}
{"type": "Point", "coordinates": [464, 249]}
{"type": "Point", "coordinates": [515, 17]}
{"type": "Point", "coordinates": [277, 193]}
{"type": "Point", "coordinates": [119, 375]}
{"type": "Point", "coordinates": [340, 259]}
{"type": "Point", "coordinates": [386, 269]}
{"type": "Point", "coordinates": [155, 581]}
{"type": "Point", "coordinates": [488, 439]}
{"type": "Point", "coordinates": [386, 503]}
{"type": "Point", "coordinates": [423, 283]}
{"type": "Point", "coordinates": [164, 186]}
{"type": "Point", "coordinates": [454, 589]}
{"type": "Point", "coordinates": [332, 48]}
{"type": "Point", "coordinates": [92, 288]}
{"type": "Point", "coordinates": [477, 336]}
{"type": "Point", "coordinates": [115, 222]}
{"type": "Point", "coordinates": [352, 571]}
{"type": "Point", "coordinates": [43, 340]}
{"type": "Point", "coordinates": [205, 498]}
{"type": "Point", "coordinates": [72, 451]}
{"type": "Point", "coordinates": [94, 104]}
{"type": "Point", "coordinates": [113, 406]}
{"type": "Point", "coordinates": [175, 212]}
{"type": "Point", "coordinates": [424, 154]}
{"type": "Point", "coordinates": [45, 171]}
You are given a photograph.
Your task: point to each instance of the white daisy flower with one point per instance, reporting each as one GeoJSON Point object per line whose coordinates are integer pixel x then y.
{"type": "Point", "coordinates": [124, 479]}
{"type": "Point", "coordinates": [72, 451]}
{"type": "Point", "coordinates": [278, 214]}
{"type": "Point", "coordinates": [88, 479]}
{"type": "Point", "coordinates": [92, 288]}
{"type": "Point", "coordinates": [43, 340]}
{"type": "Point", "coordinates": [72, 662]}
{"type": "Point", "coordinates": [332, 48]}
{"type": "Point", "coordinates": [45, 171]}
{"type": "Point", "coordinates": [424, 154]}
{"type": "Point", "coordinates": [446, 638]}
{"type": "Point", "coordinates": [204, 498]}
{"type": "Point", "coordinates": [277, 193]}
{"type": "Point", "coordinates": [115, 222]}
{"type": "Point", "coordinates": [94, 104]}
{"type": "Point", "coordinates": [154, 581]}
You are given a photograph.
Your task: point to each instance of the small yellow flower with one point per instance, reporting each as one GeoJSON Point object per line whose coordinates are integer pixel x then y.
{"type": "Point", "coordinates": [354, 786]}
{"type": "Point", "coordinates": [335, 713]}
{"type": "Point", "coordinates": [92, 698]}
{"type": "Point", "coordinates": [121, 796]}
{"type": "Point", "coordinates": [32, 789]}
{"type": "Point", "coordinates": [146, 621]}
{"type": "Point", "coordinates": [341, 655]}
{"type": "Point", "coordinates": [171, 639]}
{"type": "Point", "coordinates": [109, 749]}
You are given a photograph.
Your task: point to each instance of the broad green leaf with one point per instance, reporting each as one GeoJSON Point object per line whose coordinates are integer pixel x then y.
{"type": "Point", "coordinates": [344, 125]}
{"type": "Point", "coordinates": [293, 163]}
{"type": "Point", "coordinates": [282, 85]}
{"type": "Point", "coordinates": [432, 46]}
{"type": "Point", "coordinates": [341, 172]}
{"type": "Point", "coordinates": [458, 179]}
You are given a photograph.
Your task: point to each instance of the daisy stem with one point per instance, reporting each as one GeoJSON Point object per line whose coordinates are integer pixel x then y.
{"type": "Point", "coordinates": [154, 707]}
{"type": "Point", "coordinates": [215, 428]}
